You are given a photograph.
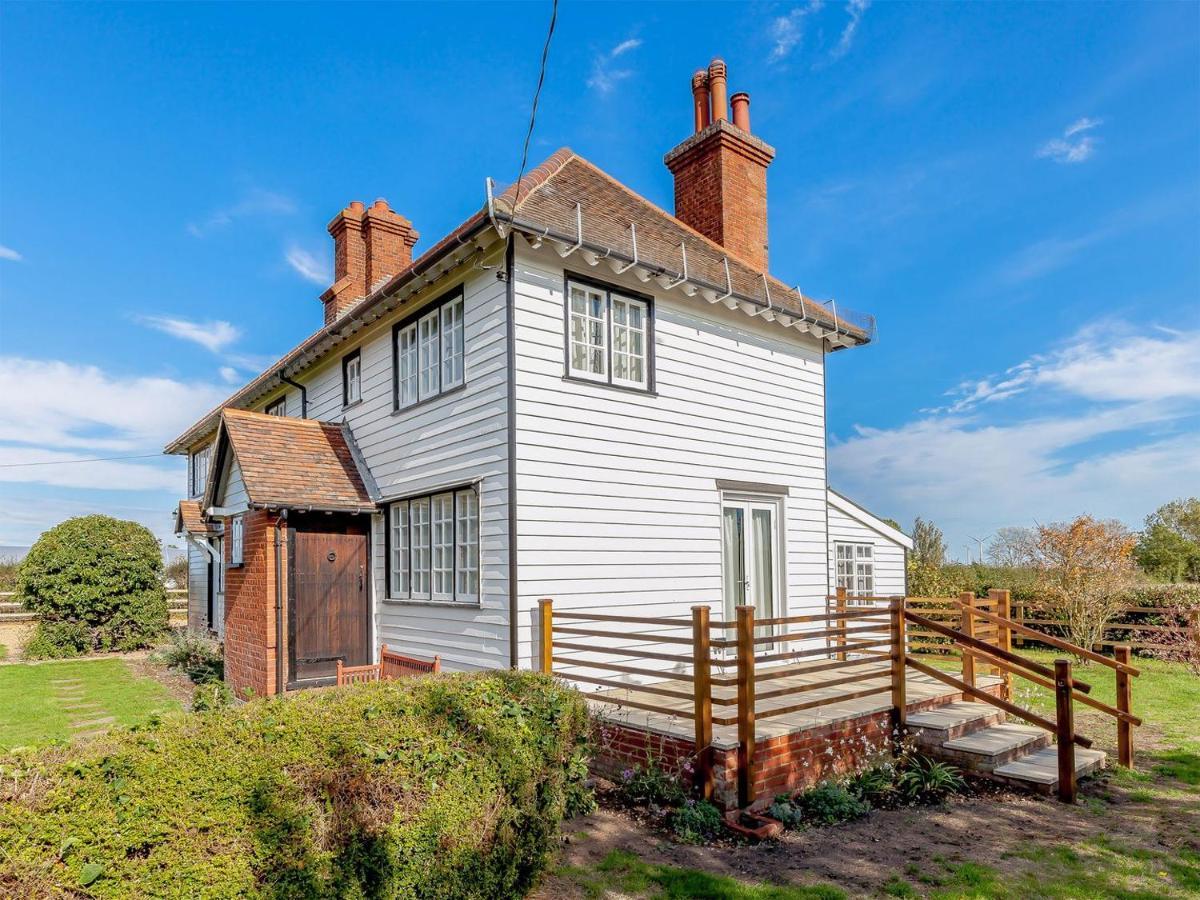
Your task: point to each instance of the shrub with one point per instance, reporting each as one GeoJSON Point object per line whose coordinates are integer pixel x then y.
{"type": "Point", "coordinates": [651, 785]}
{"type": "Point", "coordinates": [434, 787]}
{"type": "Point", "coordinates": [195, 654]}
{"type": "Point", "coordinates": [696, 822]}
{"type": "Point", "coordinates": [97, 573]}
{"type": "Point", "coordinates": [828, 803]}
{"type": "Point", "coordinates": [58, 640]}
{"type": "Point", "coordinates": [210, 695]}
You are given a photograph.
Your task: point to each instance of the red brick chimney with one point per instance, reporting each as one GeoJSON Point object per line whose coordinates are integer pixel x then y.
{"type": "Point", "coordinates": [721, 171]}
{"type": "Point", "coordinates": [369, 246]}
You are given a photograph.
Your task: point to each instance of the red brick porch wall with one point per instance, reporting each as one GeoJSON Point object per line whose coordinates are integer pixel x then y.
{"type": "Point", "coordinates": [250, 608]}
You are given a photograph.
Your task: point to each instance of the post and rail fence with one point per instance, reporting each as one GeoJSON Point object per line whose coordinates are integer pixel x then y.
{"type": "Point", "coordinates": [745, 670]}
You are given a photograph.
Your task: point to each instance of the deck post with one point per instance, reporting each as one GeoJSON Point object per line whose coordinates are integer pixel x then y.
{"type": "Point", "coordinates": [1002, 606]}
{"type": "Point", "coordinates": [745, 704]}
{"type": "Point", "coordinates": [546, 633]}
{"type": "Point", "coordinates": [1124, 704]}
{"type": "Point", "coordinates": [702, 691]}
{"type": "Point", "coordinates": [1065, 722]}
{"type": "Point", "coordinates": [899, 692]}
{"type": "Point", "coordinates": [840, 622]}
{"type": "Point", "coordinates": [967, 627]}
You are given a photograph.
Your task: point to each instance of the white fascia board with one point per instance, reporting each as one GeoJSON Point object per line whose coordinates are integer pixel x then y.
{"type": "Point", "coordinates": [870, 520]}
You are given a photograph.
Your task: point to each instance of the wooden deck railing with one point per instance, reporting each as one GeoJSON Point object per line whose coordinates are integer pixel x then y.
{"type": "Point", "coordinates": [743, 670]}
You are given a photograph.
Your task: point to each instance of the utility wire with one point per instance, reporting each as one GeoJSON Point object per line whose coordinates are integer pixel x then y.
{"type": "Point", "coordinates": [67, 462]}
{"type": "Point", "coordinates": [536, 94]}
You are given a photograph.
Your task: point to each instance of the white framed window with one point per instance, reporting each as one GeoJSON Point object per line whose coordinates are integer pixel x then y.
{"type": "Point", "coordinates": [428, 353]}
{"type": "Point", "coordinates": [351, 378]}
{"type": "Point", "coordinates": [587, 333]}
{"type": "Point", "coordinates": [434, 547]}
{"type": "Point", "coordinates": [277, 407]}
{"type": "Point", "coordinates": [855, 568]}
{"type": "Point", "coordinates": [628, 341]}
{"type": "Point", "coordinates": [237, 540]}
{"type": "Point", "coordinates": [200, 460]}
{"type": "Point", "coordinates": [406, 366]}
{"type": "Point", "coordinates": [399, 550]}
{"type": "Point", "coordinates": [466, 543]}
{"type": "Point", "coordinates": [452, 343]}
{"type": "Point", "coordinates": [419, 558]}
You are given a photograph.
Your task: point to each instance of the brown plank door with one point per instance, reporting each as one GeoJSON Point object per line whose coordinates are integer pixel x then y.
{"type": "Point", "coordinates": [329, 617]}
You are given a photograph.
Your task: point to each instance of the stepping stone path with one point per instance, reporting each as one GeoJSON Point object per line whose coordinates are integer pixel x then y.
{"type": "Point", "coordinates": [88, 717]}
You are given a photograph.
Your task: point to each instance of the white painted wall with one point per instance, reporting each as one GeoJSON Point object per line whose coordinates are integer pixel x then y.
{"type": "Point", "coordinates": [197, 588]}
{"type": "Point", "coordinates": [617, 503]}
{"type": "Point", "coordinates": [889, 554]}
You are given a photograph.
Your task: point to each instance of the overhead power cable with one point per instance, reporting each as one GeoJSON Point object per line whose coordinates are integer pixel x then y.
{"type": "Point", "coordinates": [67, 462]}
{"type": "Point", "coordinates": [536, 94]}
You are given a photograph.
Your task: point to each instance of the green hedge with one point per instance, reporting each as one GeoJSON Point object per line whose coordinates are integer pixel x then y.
{"type": "Point", "coordinates": [451, 786]}
{"type": "Point", "coordinates": [95, 583]}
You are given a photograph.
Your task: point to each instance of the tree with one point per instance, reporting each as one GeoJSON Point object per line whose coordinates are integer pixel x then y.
{"type": "Point", "coordinates": [1169, 548]}
{"type": "Point", "coordinates": [1085, 567]}
{"type": "Point", "coordinates": [95, 583]}
{"type": "Point", "coordinates": [1014, 547]}
{"type": "Point", "coordinates": [929, 545]}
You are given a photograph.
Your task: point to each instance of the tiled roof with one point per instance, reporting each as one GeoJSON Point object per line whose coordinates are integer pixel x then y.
{"type": "Point", "coordinates": [189, 519]}
{"type": "Point", "coordinates": [295, 463]}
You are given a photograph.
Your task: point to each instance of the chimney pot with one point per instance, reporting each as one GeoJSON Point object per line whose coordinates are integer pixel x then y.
{"type": "Point", "coordinates": [369, 246]}
{"type": "Point", "coordinates": [381, 204]}
{"type": "Point", "coordinates": [356, 206]}
{"type": "Point", "coordinates": [717, 89]}
{"type": "Point", "coordinates": [700, 99]}
{"type": "Point", "coordinates": [741, 110]}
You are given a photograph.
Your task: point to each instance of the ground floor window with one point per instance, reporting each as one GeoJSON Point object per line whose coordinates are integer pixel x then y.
{"type": "Point", "coordinates": [856, 569]}
{"type": "Point", "coordinates": [433, 547]}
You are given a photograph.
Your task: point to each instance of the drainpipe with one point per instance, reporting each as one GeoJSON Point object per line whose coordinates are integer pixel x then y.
{"type": "Point", "coordinates": [280, 522]}
{"type": "Point", "coordinates": [511, 348]}
{"type": "Point", "coordinates": [303, 394]}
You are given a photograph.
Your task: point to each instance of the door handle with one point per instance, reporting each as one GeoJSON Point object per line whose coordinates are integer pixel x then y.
{"type": "Point", "coordinates": [360, 578]}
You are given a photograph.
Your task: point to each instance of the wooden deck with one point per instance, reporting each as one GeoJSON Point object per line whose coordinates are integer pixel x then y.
{"type": "Point", "coordinates": [922, 691]}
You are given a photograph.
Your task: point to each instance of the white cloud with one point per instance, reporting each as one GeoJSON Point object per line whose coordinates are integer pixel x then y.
{"type": "Point", "coordinates": [229, 374]}
{"type": "Point", "coordinates": [58, 405]}
{"type": "Point", "coordinates": [9, 253]}
{"type": "Point", "coordinates": [308, 266]}
{"type": "Point", "coordinates": [1075, 145]}
{"type": "Point", "coordinates": [213, 336]}
{"type": "Point", "coordinates": [855, 9]}
{"type": "Point", "coordinates": [605, 74]}
{"type": "Point", "coordinates": [1127, 444]}
{"type": "Point", "coordinates": [787, 31]}
{"type": "Point", "coordinates": [256, 202]}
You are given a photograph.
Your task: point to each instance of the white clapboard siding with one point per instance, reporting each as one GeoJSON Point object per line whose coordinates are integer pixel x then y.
{"type": "Point", "coordinates": [450, 441]}
{"type": "Point", "coordinates": [889, 555]}
{"type": "Point", "coordinates": [232, 494]}
{"type": "Point", "coordinates": [617, 505]}
{"type": "Point", "coordinates": [197, 588]}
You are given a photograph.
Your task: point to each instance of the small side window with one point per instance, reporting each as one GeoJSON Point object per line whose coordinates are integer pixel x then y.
{"type": "Point", "coordinates": [351, 378]}
{"type": "Point", "coordinates": [237, 541]}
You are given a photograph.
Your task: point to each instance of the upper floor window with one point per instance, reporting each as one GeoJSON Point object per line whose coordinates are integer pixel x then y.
{"type": "Point", "coordinates": [277, 407]}
{"type": "Point", "coordinates": [433, 547]}
{"type": "Point", "coordinates": [351, 378]}
{"type": "Point", "coordinates": [200, 461]}
{"type": "Point", "coordinates": [429, 353]}
{"type": "Point", "coordinates": [856, 569]}
{"type": "Point", "coordinates": [609, 335]}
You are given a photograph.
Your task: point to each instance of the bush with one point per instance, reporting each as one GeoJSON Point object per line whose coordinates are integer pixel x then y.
{"type": "Point", "coordinates": [96, 573]}
{"type": "Point", "coordinates": [450, 786]}
{"type": "Point", "coordinates": [696, 822]}
{"type": "Point", "coordinates": [58, 640]}
{"type": "Point", "coordinates": [651, 785]}
{"type": "Point", "coordinates": [210, 695]}
{"type": "Point", "coordinates": [828, 803]}
{"type": "Point", "coordinates": [197, 655]}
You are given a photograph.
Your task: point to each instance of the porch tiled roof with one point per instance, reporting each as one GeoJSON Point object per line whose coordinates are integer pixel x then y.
{"type": "Point", "coordinates": [295, 463]}
{"type": "Point", "coordinates": [189, 519]}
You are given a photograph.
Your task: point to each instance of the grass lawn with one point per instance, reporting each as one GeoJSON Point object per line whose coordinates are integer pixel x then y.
{"type": "Point", "coordinates": [1135, 833]}
{"type": "Point", "coordinates": [54, 701]}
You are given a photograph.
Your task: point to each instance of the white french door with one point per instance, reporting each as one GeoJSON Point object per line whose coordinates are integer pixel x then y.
{"type": "Point", "coordinates": [750, 557]}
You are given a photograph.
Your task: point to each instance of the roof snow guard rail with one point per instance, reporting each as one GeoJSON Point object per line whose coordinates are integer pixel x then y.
{"type": "Point", "coordinates": [826, 320]}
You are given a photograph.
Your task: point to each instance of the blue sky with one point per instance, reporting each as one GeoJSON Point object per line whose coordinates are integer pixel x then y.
{"type": "Point", "coordinates": [1013, 190]}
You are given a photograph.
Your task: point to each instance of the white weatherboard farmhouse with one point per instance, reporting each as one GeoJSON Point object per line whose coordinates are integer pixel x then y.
{"type": "Point", "coordinates": [574, 395]}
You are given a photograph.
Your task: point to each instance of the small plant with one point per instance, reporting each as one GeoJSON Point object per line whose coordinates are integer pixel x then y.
{"type": "Point", "coordinates": [198, 656]}
{"type": "Point", "coordinates": [923, 780]}
{"type": "Point", "coordinates": [828, 803]}
{"type": "Point", "coordinates": [786, 812]}
{"type": "Point", "coordinates": [650, 785]}
{"type": "Point", "coordinates": [211, 695]}
{"type": "Point", "coordinates": [875, 786]}
{"type": "Point", "coordinates": [695, 822]}
{"type": "Point", "coordinates": [580, 799]}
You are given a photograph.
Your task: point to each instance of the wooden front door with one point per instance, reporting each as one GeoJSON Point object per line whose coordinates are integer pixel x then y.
{"type": "Point", "coordinates": [329, 615]}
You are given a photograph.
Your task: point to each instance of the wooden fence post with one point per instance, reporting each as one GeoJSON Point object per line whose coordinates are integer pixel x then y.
{"type": "Point", "coordinates": [1065, 721]}
{"type": "Point", "coordinates": [899, 692]}
{"type": "Point", "coordinates": [702, 692]}
{"type": "Point", "coordinates": [840, 622]}
{"type": "Point", "coordinates": [1019, 617]}
{"type": "Point", "coordinates": [1002, 606]}
{"type": "Point", "coordinates": [745, 698]}
{"type": "Point", "coordinates": [1124, 704]}
{"type": "Point", "coordinates": [546, 631]}
{"type": "Point", "coordinates": [968, 628]}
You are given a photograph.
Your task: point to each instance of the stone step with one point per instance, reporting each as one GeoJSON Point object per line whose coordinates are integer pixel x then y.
{"type": "Point", "coordinates": [987, 748]}
{"type": "Point", "coordinates": [1038, 771]}
{"type": "Point", "coordinates": [933, 727]}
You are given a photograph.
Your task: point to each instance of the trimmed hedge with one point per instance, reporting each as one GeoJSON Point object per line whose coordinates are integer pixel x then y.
{"type": "Point", "coordinates": [95, 583]}
{"type": "Point", "coordinates": [450, 786]}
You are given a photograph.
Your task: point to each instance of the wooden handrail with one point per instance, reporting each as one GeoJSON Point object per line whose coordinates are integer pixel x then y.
{"type": "Point", "coordinates": [1011, 708]}
{"type": "Point", "coordinates": [977, 644]}
{"type": "Point", "coordinates": [1057, 643]}
{"type": "Point", "coordinates": [626, 620]}
{"type": "Point", "coordinates": [627, 636]}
